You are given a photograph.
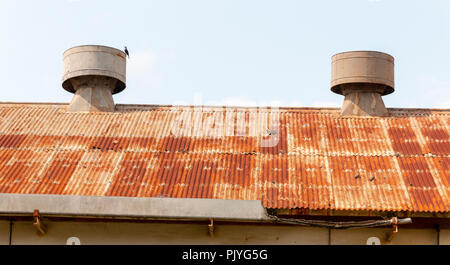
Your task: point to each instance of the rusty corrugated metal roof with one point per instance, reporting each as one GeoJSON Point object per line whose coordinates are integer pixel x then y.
{"type": "Point", "coordinates": [320, 160]}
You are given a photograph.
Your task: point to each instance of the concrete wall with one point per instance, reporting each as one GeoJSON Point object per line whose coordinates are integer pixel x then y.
{"type": "Point", "coordinates": [176, 233]}
{"type": "Point", "coordinates": [445, 237]}
{"type": "Point", "coordinates": [4, 232]}
{"type": "Point", "coordinates": [403, 237]}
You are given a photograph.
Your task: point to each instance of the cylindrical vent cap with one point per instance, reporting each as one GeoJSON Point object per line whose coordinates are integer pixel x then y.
{"type": "Point", "coordinates": [367, 67]}
{"type": "Point", "coordinates": [94, 60]}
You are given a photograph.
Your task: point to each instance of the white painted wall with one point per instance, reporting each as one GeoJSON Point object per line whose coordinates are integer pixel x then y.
{"type": "Point", "coordinates": [179, 233]}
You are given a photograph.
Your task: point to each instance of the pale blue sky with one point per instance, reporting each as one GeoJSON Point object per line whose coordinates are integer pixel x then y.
{"type": "Point", "coordinates": [227, 52]}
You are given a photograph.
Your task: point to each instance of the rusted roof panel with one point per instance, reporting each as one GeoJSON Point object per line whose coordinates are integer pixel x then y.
{"type": "Point", "coordinates": [288, 157]}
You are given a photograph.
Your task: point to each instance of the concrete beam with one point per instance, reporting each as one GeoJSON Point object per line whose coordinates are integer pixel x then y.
{"type": "Point", "coordinates": [126, 207]}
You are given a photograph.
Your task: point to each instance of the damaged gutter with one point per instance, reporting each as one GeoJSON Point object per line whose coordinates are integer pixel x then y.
{"type": "Point", "coordinates": [128, 207]}
{"type": "Point", "coordinates": [162, 209]}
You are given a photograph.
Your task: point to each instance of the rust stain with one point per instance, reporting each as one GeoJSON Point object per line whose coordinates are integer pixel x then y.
{"type": "Point", "coordinates": [403, 139]}
{"type": "Point", "coordinates": [11, 141]}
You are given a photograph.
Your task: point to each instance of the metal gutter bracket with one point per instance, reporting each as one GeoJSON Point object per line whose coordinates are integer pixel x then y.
{"type": "Point", "coordinates": [41, 228]}
{"type": "Point", "coordinates": [392, 234]}
{"type": "Point", "coordinates": [211, 227]}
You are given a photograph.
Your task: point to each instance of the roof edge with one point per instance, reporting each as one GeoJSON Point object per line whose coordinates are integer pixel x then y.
{"type": "Point", "coordinates": [359, 213]}
{"type": "Point", "coordinates": [221, 106]}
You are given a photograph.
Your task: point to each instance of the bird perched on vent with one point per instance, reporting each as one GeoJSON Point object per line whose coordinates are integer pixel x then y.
{"type": "Point", "coordinates": [126, 52]}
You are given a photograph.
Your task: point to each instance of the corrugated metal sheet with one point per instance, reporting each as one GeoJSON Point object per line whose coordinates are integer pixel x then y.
{"type": "Point", "coordinates": [320, 161]}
